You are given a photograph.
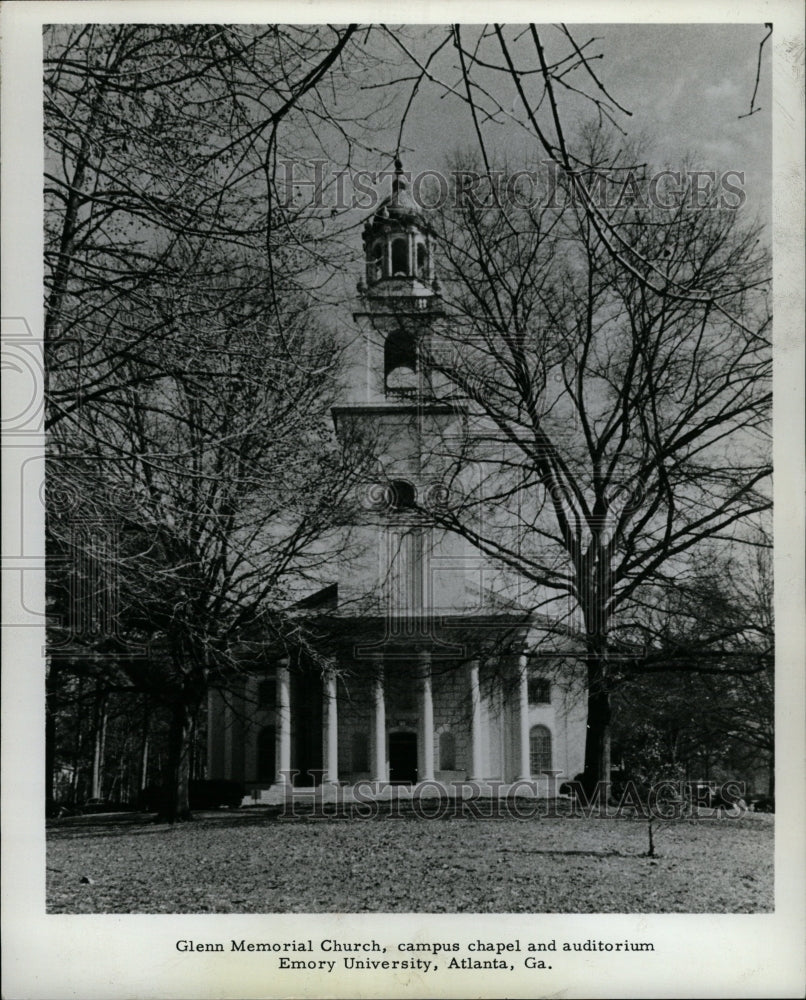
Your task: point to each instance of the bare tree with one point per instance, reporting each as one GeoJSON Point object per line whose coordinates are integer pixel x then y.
{"type": "Point", "coordinates": [539, 81]}
{"type": "Point", "coordinates": [163, 191]}
{"type": "Point", "coordinates": [219, 483]}
{"type": "Point", "coordinates": [707, 673]}
{"type": "Point", "coordinates": [187, 379]}
{"type": "Point", "coordinates": [159, 135]}
{"type": "Point", "coordinates": [620, 428]}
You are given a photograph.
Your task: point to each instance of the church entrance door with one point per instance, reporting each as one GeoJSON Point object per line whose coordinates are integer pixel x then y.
{"type": "Point", "coordinates": [403, 757]}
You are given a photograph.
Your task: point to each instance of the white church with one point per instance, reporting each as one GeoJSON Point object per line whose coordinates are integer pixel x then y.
{"type": "Point", "coordinates": [436, 675]}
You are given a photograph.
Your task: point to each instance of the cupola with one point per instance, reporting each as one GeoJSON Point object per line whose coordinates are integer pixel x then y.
{"type": "Point", "coordinates": [398, 245]}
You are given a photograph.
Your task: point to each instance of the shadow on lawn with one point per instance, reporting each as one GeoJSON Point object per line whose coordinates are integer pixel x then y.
{"type": "Point", "coordinates": [565, 854]}
{"type": "Point", "coordinates": [132, 823]}
{"type": "Point", "coordinates": [108, 824]}
{"type": "Point", "coordinates": [141, 823]}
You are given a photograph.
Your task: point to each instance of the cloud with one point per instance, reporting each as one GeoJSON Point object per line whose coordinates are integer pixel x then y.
{"type": "Point", "coordinates": [725, 89]}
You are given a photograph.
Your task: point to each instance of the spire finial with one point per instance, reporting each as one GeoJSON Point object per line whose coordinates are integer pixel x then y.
{"type": "Point", "coordinates": [399, 181]}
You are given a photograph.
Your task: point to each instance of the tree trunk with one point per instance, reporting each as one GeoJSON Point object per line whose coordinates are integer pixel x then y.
{"type": "Point", "coordinates": [177, 805]}
{"type": "Point", "coordinates": [79, 743]}
{"type": "Point", "coordinates": [98, 748]}
{"type": "Point", "coordinates": [142, 778]}
{"type": "Point", "coordinates": [193, 741]}
{"type": "Point", "coordinates": [50, 751]}
{"type": "Point", "coordinates": [597, 739]}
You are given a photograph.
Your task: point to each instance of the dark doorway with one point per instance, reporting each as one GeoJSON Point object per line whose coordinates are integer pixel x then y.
{"type": "Point", "coordinates": [306, 713]}
{"type": "Point", "coordinates": [267, 754]}
{"type": "Point", "coordinates": [403, 757]}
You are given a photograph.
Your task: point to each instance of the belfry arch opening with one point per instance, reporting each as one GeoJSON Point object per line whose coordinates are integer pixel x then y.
{"type": "Point", "coordinates": [422, 261]}
{"type": "Point", "coordinates": [400, 258]}
{"type": "Point", "coordinates": [375, 263]}
{"type": "Point", "coordinates": [400, 361]}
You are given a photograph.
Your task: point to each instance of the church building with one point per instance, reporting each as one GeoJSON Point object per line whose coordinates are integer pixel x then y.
{"type": "Point", "coordinates": [431, 674]}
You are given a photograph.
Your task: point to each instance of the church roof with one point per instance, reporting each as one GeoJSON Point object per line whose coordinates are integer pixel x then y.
{"type": "Point", "coordinates": [484, 604]}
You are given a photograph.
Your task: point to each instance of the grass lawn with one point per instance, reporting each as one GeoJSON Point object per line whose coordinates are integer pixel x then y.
{"type": "Point", "coordinates": [253, 861]}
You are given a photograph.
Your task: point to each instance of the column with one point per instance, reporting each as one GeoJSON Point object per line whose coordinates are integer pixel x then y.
{"type": "Point", "coordinates": [475, 727]}
{"type": "Point", "coordinates": [428, 718]}
{"type": "Point", "coordinates": [284, 721]}
{"type": "Point", "coordinates": [332, 728]}
{"type": "Point", "coordinates": [525, 764]}
{"type": "Point", "coordinates": [227, 717]}
{"type": "Point", "coordinates": [379, 764]}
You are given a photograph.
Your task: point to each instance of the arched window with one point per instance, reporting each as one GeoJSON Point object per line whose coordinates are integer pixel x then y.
{"type": "Point", "coordinates": [360, 752]}
{"type": "Point", "coordinates": [402, 494]}
{"type": "Point", "coordinates": [447, 752]}
{"type": "Point", "coordinates": [266, 754]}
{"type": "Point", "coordinates": [400, 258]}
{"type": "Point", "coordinates": [376, 262]}
{"type": "Point", "coordinates": [539, 749]}
{"type": "Point", "coordinates": [422, 261]}
{"type": "Point", "coordinates": [400, 360]}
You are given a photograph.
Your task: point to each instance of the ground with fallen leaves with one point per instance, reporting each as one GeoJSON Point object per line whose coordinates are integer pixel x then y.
{"type": "Point", "coordinates": [256, 861]}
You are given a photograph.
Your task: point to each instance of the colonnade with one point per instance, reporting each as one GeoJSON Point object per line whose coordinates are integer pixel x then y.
{"type": "Point", "coordinates": [379, 762]}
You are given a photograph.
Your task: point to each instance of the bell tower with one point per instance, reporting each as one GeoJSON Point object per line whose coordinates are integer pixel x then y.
{"type": "Point", "coordinates": [410, 610]}
{"type": "Point", "coordinates": [399, 296]}
{"type": "Point", "coordinates": [397, 411]}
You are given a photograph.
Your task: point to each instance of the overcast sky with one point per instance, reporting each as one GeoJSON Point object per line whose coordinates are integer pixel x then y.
{"type": "Point", "coordinates": [686, 86]}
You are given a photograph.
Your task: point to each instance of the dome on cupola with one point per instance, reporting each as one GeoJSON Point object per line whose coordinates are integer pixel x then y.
{"type": "Point", "coordinates": [400, 205]}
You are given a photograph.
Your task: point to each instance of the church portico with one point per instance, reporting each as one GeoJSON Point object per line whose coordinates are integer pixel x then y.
{"type": "Point", "coordinates": [393, 717]}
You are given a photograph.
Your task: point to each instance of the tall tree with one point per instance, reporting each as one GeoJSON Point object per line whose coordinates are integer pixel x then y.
{"type": "Point", "coordinates": [187, 379]}
{"type": "Point", "coordinates": [621, 427]}
{"type": "Point", "coordinates": [706, 673]}
{"type": "Point", "coordinates": [218, 483]}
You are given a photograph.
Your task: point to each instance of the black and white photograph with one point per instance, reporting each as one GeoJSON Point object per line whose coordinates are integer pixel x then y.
{"type": "Point", "coordinates": [396, 523]}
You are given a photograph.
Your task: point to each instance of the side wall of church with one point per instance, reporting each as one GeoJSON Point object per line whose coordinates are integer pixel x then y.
{"type": "Point", "coordinates": [452, 748]}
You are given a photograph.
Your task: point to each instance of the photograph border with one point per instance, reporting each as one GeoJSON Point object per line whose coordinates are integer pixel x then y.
{"type": "Point", "coordinates": [110, 956]}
